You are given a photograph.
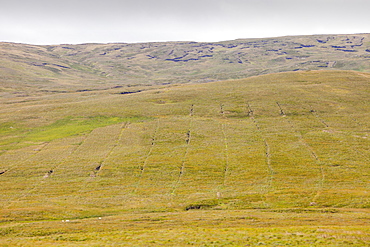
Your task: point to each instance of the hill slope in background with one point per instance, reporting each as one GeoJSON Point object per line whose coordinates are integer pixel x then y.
{"type": "Point", "coordinates": [278, 159]}
{"type": "Point", "coordinates": [62, 68]}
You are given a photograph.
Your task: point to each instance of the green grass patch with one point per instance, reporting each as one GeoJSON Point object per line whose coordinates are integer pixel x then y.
{"type": "Point", "coordinates": [71, 126]}
{"type": "Point", "coordinates": [7, 128]}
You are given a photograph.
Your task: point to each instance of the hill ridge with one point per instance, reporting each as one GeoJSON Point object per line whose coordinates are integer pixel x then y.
{"type": "Point", "coordinates": [88, 66]}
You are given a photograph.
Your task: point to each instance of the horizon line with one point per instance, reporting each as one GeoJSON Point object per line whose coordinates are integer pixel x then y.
{"type": "Point", "coordinates": [179, 41]}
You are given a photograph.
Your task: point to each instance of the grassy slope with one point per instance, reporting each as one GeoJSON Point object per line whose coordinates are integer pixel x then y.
{"type": "Point", "coordinates": [275, 159]}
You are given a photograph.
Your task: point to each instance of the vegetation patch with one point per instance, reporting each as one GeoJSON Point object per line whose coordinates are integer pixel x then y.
{"type": "Point", "coordinates": [205, 204]}
{"type": "Point", "coordinates": [306, 210]}
{"type": "Point", "coordinates": [70, 126]}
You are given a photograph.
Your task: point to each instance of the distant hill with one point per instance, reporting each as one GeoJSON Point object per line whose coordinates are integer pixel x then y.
{"type": "Point", "coordinates": [60, 68]}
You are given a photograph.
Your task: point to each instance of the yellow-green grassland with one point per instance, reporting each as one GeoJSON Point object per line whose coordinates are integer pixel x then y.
{"type": "Point", "coordinates": [281, 159]}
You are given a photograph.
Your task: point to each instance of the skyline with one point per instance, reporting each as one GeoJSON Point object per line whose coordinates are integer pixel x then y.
{"type": "Point", "coordinates": [134, 21]}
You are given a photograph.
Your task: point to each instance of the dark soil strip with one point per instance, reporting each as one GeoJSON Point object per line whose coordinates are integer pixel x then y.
{"type": "Point", "coordinates": [314, 157]}
{"type": "Point", "coordinates": [16, 198]}
{"type": "Point", "coordinates": [226, 152]}
{"type": "Point", "coordinates": [268, 155]}
{"type": "Point", "coordinates": [192, 110]}
{"type": "Point", "coordinates": [143, 166]}
{"type": "Point", "coordinates": [102, 162]}
{"type": "Point", "coordinates": [281, 109]}
{"type": "Point", "coordinates": [184, 159]}
{"type": "Point", "coordinates": [226, 166]}
{"type": "Point", "coordinates": [313, 112]}
{"type": "Point", "coordinates": [37, 151]}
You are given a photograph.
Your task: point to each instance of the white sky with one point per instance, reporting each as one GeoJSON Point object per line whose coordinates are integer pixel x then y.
{"type": "Point", "coordinates": [107, 21]}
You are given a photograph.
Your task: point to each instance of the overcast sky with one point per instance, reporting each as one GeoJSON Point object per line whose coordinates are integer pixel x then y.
{"type": "Point", "coordinates": [107, 21]}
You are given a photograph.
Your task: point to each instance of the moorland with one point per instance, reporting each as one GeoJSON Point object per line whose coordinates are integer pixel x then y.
{"type": "Point", "coordinates": [259, 142]}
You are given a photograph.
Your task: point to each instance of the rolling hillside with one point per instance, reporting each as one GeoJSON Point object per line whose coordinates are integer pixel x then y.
{"type": "Point", "coordinates": [35, 69]}
{"type": "Point", "coordinates": [278, 159]}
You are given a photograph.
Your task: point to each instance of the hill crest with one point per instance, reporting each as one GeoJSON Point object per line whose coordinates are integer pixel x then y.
{"type": "Point", "coordinates": [89, 66]}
